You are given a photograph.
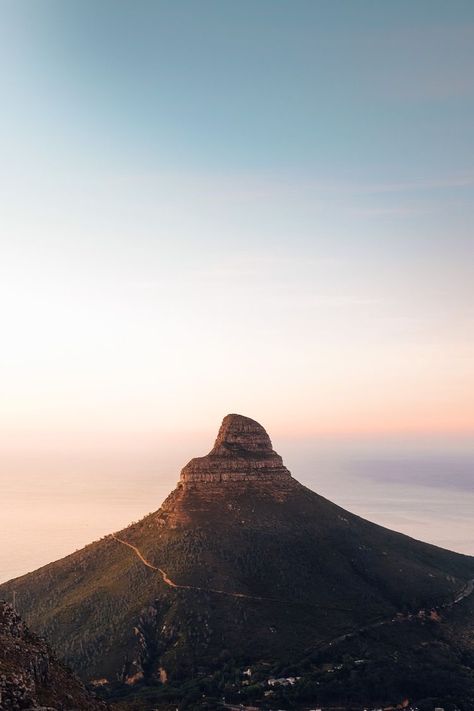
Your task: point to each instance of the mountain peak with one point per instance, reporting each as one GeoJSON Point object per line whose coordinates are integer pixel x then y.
{"type": "Point", "coordinates": [242, 451]}
{"type": "Point", "coordinates": [242, 557]}
{"type": "Point", "coordinates": [241, 434]}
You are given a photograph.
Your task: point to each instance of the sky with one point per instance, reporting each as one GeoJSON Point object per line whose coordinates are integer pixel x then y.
{"type": "Point", "coordinates": [263, 207]}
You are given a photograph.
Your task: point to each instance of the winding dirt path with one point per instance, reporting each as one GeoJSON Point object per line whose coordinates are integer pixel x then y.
{"type": "Point", "coordinates": [465, 592]}
{"type": "Point", "coordinates": [146, 562]}
{"type": "Point", "coordinates": [167, 580]}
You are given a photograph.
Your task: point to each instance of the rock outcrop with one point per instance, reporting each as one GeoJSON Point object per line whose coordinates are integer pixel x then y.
{"type": "Point", "coordinates": [31, 678]}
{"type": "Point", "coordinates": [242, 452]}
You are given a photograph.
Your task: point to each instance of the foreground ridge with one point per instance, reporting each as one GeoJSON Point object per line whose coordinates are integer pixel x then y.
{"type": "Point", "coordinates": [31, 677]}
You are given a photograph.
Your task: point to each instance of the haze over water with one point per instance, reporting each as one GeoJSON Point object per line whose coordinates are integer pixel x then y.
{"type": "Point", "coordinates": [254, 207]}
{"type": "Point", "coordinates": [423, 489]}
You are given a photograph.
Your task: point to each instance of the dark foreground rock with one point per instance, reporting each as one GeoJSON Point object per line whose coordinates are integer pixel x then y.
{"type": "Point", "coordinates": [31, 678]}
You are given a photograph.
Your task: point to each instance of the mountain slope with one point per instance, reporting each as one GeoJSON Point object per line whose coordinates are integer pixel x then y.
{"type": "Point", "coordinates": [241, 562]}
{"type": "Point", "coordinates": [30, 675]}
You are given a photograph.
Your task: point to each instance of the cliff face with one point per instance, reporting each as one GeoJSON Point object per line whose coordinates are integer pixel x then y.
{"type": "Point", "coordinates": [242, 452]}
{"type": "Point", "coordinates": [31, 678]}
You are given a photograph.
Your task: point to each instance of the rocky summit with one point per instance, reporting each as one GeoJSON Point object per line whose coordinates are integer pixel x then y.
{"type": "Point", "coordinates": [242, 451]}
{"type": "Point", "coordinates": [244, 576]}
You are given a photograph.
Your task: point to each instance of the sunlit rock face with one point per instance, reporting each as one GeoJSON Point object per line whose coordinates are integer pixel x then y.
{"type": "Point", "coordinates": [242, 451]}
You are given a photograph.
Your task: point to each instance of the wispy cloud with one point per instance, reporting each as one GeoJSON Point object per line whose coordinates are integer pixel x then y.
{"type": "Point", "coordinates": [258, 186]}
{"type": "Point", "coordinates": [447, 183]}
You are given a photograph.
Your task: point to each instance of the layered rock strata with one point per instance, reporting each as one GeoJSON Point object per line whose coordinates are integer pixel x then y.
{"type": "Point", "coordinates": [242, 452]}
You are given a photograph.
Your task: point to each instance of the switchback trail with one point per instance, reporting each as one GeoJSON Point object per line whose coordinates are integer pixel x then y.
{"type": "Point", "coordinates": [167, 580]}
{"type": "Point", "coordinates": [465, 592]}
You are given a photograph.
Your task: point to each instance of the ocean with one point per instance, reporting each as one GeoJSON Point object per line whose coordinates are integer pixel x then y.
{"type": "Point", "coordinates": [54, 503]}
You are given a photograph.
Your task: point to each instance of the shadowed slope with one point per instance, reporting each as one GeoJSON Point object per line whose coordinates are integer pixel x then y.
{"type": "Point", "coordinates": [31, 676]}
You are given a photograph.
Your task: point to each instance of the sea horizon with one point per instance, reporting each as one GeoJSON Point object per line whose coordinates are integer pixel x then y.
{"type": "Point", "coordinates": [419, 486]}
